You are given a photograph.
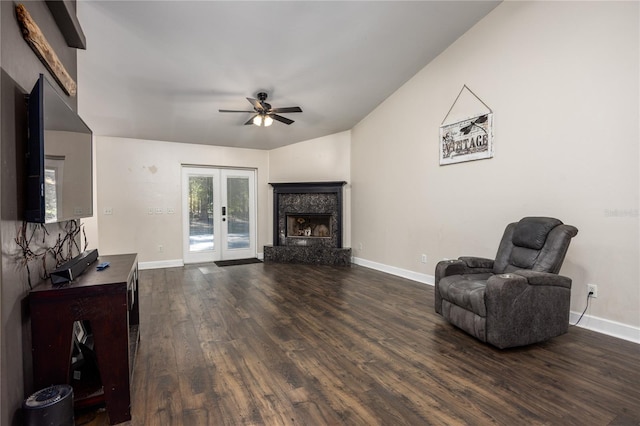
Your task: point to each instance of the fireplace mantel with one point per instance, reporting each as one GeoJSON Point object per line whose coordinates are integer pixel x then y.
{"type": "Point", "coordinates": [301, 187]}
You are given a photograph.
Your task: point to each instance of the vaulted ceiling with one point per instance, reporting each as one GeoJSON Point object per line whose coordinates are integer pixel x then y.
{"type": "Point", "coordinates": [160, 70]}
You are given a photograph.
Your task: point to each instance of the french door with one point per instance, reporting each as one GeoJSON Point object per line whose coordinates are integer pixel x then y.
{"type": "Point", "coordinates": [219, 214]}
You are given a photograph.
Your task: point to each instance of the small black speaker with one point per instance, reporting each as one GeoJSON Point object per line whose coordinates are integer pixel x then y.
{"type": "Point", "coordinates": [73, 268]}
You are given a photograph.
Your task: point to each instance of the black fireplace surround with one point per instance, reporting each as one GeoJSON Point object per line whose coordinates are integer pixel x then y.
{"type": "Point", "coordinates": [307, 224]}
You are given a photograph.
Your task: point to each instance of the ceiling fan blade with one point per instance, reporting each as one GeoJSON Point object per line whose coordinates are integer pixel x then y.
{"type": "Point", "coordinates": [280, 118]}
{"type": "Point", "coordinates": [232, 110]}
{"type": "Point", "coordinates": [285, 110]}
{"type": "Point", "coordinates": [250, 121]}
{"type": "Point", "coordinates": [256, 104]}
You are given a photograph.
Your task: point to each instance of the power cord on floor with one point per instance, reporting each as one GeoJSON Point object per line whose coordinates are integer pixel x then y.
{"type": "Point", "coordinates": [585, 308]}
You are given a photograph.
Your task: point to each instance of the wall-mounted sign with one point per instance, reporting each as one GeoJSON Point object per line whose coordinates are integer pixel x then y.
{"type": "Point", "coordinates": [467, 140]}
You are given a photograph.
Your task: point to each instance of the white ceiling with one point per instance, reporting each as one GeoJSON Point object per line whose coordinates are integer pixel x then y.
{"type": "Point", "coordinates": [160, 70]}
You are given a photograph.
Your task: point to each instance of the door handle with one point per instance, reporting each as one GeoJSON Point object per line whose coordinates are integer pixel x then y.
{"type": "Point", "coordinates": [224, 211]}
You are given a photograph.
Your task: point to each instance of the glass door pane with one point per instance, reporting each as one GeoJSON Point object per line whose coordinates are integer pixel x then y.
{"type": "Point", "coordinates": [238, 213]}
{"type": "Point", "coordinates": [238, 198]}
{"type": "Point", "coordinates": [218, 214]}
{"type": "Point", "coordinates": [201, 229]}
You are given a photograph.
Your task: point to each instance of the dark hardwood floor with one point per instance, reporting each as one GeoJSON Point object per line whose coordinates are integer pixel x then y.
{"type": "Point", "coordinates": [275, 344]}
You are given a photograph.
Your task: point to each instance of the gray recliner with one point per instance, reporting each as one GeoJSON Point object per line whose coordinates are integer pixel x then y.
{"type": "Point", "coordinates": [516, 299]}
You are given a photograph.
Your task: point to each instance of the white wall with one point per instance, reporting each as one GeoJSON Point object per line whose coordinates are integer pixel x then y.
{"type": "Point", "coordinates": [135, 175]}
{"type": "Point", "coordinates": [323, 159]}
{"type": "Point", "coordinates": [562, 80]}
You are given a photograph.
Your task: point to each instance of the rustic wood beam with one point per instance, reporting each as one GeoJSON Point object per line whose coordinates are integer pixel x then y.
{"type": "Point", "coordinates": [64, 13]}
{"type": "Point", "coordinates": [34, 37]}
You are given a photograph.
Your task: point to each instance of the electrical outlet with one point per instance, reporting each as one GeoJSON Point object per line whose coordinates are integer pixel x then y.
{"type": "Point", "coordinates": [423, 258]}
{"type": "Point", "coordinates": [160, 249]}
{"type": "Point", "coordinates": [360, 246]}
{"type": "Point", "coordinates": [592, 288]}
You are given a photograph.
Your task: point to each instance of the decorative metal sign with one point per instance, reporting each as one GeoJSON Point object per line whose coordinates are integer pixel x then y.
{"type": "Point", "coordinates": [467, 140]}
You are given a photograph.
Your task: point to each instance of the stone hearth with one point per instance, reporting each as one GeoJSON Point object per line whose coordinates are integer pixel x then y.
{"type": "Point", "coordinates": [307, 224]}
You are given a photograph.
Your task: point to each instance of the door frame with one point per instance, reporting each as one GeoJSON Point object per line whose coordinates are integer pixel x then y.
{"type": "Point", "coordinates": [219, 175]}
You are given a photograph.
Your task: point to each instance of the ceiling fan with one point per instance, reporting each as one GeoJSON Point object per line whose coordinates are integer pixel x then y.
{"type": "Point", "coordinates": [263, 114]}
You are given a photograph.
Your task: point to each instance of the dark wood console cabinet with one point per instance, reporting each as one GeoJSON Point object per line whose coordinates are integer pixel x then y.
{"type": "Point", "coordinates": [108, 299]}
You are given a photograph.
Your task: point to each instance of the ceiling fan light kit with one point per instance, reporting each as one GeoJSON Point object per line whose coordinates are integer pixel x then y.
{"type": "Point", "coordinates": [264, 114]}
{"type": "Point", "coordinates": [262, 120]}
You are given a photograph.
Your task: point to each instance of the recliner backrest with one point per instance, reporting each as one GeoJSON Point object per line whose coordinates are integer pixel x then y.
{"type": "Point", "coordinates": [535, 243]}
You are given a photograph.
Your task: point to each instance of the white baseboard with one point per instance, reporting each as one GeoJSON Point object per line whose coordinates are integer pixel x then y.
{"type": "Point", "coordinates": [599, 325]}
{"type": "Point", "coordinates": [404, 273]}
{"type": "Point", "coordinates": [158, 264]}
{"type": "Point", "coordinates": [608, 327]}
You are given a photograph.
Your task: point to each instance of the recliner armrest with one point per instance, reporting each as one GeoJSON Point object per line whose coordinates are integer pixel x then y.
{"type": "Point", "coordinates": [463, 265]}
{"type": "Point", "coordinates": [525, 307]}
{"type": "Point", "coordinates": [503, 288]}
{"type": "Point", "coordinates": [445, 268]}
{"type": "Point", "coordinates": [478, 262]}
{"type": "Point", "coordinates": [544, 278]}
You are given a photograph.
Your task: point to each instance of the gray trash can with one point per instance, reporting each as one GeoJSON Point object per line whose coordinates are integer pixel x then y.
{"type": "Point", "coordinates": [52, 406]}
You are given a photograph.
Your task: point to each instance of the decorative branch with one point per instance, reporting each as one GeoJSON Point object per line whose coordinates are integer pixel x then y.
{"type": "Point", "coordinates": [61, 252]}
{"type": "Point", "coordinates": [68, 240]}
{"type": "Point", "coordinates": [34, 37]}
{"type": "Point", "coordinates": [24, 242]}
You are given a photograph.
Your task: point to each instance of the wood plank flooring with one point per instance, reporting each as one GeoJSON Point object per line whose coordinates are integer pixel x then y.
{"type": "Point", "coordinates": [275, 344]}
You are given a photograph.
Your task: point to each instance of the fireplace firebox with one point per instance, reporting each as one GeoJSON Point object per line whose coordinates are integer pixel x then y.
{"type": "Point", "coordinates": [308, 225]}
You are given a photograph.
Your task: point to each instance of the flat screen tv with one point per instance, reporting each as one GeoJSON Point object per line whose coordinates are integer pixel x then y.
{"type": "Point", "coordinates": [59, 159]}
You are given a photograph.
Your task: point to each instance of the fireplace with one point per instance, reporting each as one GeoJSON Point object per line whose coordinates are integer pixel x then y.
{"type": "Point", "coordinates": [307, 224]}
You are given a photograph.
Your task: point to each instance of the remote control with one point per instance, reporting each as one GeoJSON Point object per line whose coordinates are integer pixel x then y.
{"type": "Point", "coordinates": [102, 265]}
